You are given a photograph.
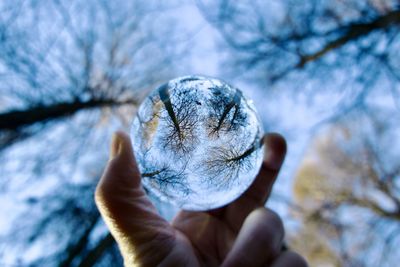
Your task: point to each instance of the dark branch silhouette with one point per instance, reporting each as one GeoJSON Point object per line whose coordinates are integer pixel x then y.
{"type": "Point", "coordinates": [224, 163]}
{"type": "Point", "coordinates": [352, 32]}
{"type": "Point", "coordinates": [181, 119]}
{"type": "Point", "coordinates": [75, 249]}
{"type": "Point", "coordinates": [95, 254]}
{"type": "Point", "coordinates": [226, 113]}
{"type": "Point", "coordinates": [311, 41]}
{"type": "Point", "coordinates": [171, 183]}
{"type": "Point", "coordinates": [13, 120]}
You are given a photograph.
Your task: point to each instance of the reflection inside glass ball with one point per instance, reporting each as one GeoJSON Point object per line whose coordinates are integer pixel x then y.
{"type": "Point", "coordinates": [197, 142]}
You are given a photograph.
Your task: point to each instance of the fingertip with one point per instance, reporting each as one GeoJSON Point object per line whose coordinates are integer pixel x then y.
{"type": "Point", "coordinates": [271, 225]}
{"type": "Point", "coordinates": [259, 239]}
{"type": "Point", "coordinates": [122, 135]}
{"type": "Point", "coordinates": [121, 171]}
{"type": "Point", "coordinates": [274, 150]}
{"type": "Point", "coordinates": [121, 146]}
{"type": "Point", "coordinates": [121, 154]}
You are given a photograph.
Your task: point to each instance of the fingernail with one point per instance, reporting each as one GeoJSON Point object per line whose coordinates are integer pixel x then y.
{"type": "Point", "coordinates": [115, 149]}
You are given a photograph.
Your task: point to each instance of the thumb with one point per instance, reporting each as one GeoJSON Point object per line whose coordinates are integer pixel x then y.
{"type": "Point", "coordinates": [125, 208]}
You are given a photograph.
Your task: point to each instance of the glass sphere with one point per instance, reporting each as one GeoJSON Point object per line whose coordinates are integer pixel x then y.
{"type": "Point", "coordinates": [197, 142]}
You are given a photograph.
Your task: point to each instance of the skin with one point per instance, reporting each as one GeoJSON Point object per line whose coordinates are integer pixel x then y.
{"type": "Point", "coordinates": [242, 233]}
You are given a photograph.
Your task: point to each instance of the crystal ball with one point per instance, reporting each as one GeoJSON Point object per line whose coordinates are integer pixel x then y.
{"type": "Point", "coordinates": [197, 142]}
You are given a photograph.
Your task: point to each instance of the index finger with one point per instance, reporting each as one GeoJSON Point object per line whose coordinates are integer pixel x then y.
{"type": "Point", "coordinates": [275, 151]}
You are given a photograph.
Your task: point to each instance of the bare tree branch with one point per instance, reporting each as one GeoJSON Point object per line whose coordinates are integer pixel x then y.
{"type": "Point", "coordinates": [12, 120]}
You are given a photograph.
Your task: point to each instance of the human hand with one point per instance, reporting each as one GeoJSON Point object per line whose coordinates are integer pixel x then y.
{"type": "Point", "coordinates": [242, 233]}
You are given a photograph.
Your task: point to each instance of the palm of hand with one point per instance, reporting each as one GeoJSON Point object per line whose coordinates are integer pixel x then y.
{"type": "Point", "coordinates": [243, 233]}
{"type": "Point", "coordinates": [204, 238]}
{"type": "Point", "coordinates": [213, 233]}
{"type": "Point", "coordinates": [210, 238]}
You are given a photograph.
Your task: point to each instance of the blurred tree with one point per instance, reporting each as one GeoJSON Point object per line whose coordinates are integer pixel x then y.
{"type": "Point", "coordinates": [308, 241]}
{"type": "Point", "coordinates": [341, 56]}
{"type": "Point", "coordinates": [346, 48]}
{"type": "Point", "coordinates": [70, 73]}
{"type": "Point", "coordinates": [348, 191]}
